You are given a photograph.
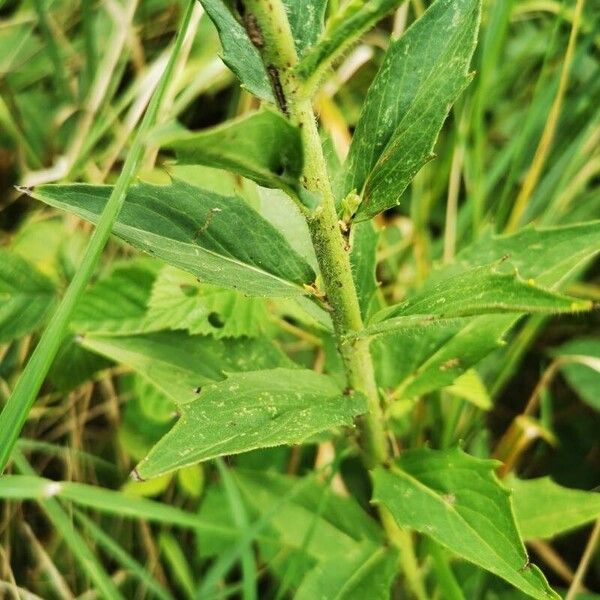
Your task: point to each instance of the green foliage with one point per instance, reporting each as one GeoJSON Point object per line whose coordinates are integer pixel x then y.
{"type": "Point", "coordinates": [420, 78]}
{"type": "Point", "coordinates": [584, 375]}
{"type": "Point", "coordinates": [256, 409]}
{"type": "Point", "coordinates": [456, 499]}
{"type": "Point", "coordinates": [27, 296]}
{"type": "Point", "coordinates": [257, 387]}
{"type": "Point", "coordinates": [544, 509]}
{"type": "Point", "coordinates": [264, 147]}
{"type": "Point", "coordinates": [220, 240]}
{"type": "Point", "coordinates": [343, 28]}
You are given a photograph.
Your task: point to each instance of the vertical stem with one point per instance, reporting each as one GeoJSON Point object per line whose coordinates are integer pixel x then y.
{"type": "Point", "coordinates": [19, 404]}
{"type": "Point", "coordinates": [276, 44]}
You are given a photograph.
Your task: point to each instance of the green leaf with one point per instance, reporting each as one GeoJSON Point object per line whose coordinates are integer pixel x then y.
{"type": "Point", "coordinates": [263, 146]}
{"type": "Point", "coordinates": [428, 358]}
{"type": "Point", "coordinates": [353, 19]}
{"type": "Point", "coordinates": [26, 296]}
{"type": "Point", "coordinates": [481, 290]}
{"type": "Point", "coordinates": [470, 387]}
{"type": "Point", "coordinates": [178, 301]}
{"type": "Point", "coordinates": [364, 572]}
{"type": "Point", "coordinates": [306, 22]}
{"type": "Point", "coordinates": [220, 240]}
{"type": "Point", "coordinates": [363, 259]}
{"type": "Point", "coordinates": [252, 410]}
{"type": "Point", "coordinates": [179, 364]}
{"type": "Point", "coordinates": [544, 509]}
{"type": "Point", "coordinates": [239, 53]}
{"type": "Point", "coordinates": [422, 75]}
{"type": "Point", "coordinates": [341, 524]}
{"type": "Point", "coordinates": [584, 377]}
{"type": "Point", "coordinates": [456, 499]}
{"type": "Point", "coordinates": [117, 304]}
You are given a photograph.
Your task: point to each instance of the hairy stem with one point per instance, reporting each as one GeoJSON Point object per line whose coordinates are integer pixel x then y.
{"type": "Point", "coordinates": [272, 35]}
{"type": "Point", "coordinates": [21, 400]}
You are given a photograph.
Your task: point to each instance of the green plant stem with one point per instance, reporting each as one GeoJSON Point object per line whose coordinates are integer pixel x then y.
{"type": "Point", "coordinates": [279, 55]}
{"type": "Point", "coordinates": [21, 400]}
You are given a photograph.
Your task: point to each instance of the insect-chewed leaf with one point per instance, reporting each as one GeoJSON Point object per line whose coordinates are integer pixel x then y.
{"type": "Point", "coordinates": [544, 509]}
{"type": "Point", "coordinates": [220, 240]}
{"type": "Point", "coordinates": [26, 296]}
{"type": "Point", "coordinates": [263, 146]}
{"type": "Point", "coordinates": [456, 499]}
{"type": "Point", "coordinates": [422, 75]}
{"type": "Point", "coordinates": [425, 358]}
{"type": "Point", "coordinates": [179, 364]}
{"type": "Point", "coordinates": [178, 301]}
{"type": "Point", "coordinates": [252, 410]}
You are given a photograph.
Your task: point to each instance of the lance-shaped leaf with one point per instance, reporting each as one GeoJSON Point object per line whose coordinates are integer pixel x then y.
{"type": "Point", "coordinates": [263, 146]}
{"type": "Point", "coordinates": [343, 29]}
{"type": "Point", "coordinates": [252, 410]}
{"type": "Point", "coordinates": [427, 358]}
{"type": "Point", "coordinates": [179, 364]}
{"type": "Point", "coordinates": [26, 296]}
{"type": "Point", "coordinates": [479, 291]}
{"type": "Point", "coordinates": [221, 240]}
{"type": "Point", "coordinates": [422, 75]}
{"type": "Point", "coordinates": [239, 53]}
{"type": "Point", "coordinates": [545, 509]}
{"type": "Point", "coordinates": [457, 500]}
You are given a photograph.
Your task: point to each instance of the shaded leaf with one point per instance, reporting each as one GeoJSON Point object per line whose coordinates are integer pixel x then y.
{"type": "Point", "coordinates": [364, 572]}
{"type": "Point", "coordinates": [117, 303]}
{"type": "Point", "coordinates": [363, 259]}
{"type": "Point", "coordinates": [252, 410]}
{"type": "Point", "coordinates": [306, 22]}
{"type": "Point", "coordinates": [422, 75]}
{"type": "Point", "coordinates": [456, 499]}
{"type": "Point", "coordinates": [179, 364]}
{"type": "Point", "coordinates": [239, 54]}
{"type": "Point", "coordinates": [263, 146]}
{"type": "Point", "coordinates": [178, 301]}
{"type": "Point", "coordinates": [544, 509]}
{"type": "Point", "coordinates": [584, 378]}
{"type": "Point", "coordinates": [26, 296]}
{"type": "Point", "coordinates": [220, 240]}
{"type": "Point", "coordinates": [342, 29]}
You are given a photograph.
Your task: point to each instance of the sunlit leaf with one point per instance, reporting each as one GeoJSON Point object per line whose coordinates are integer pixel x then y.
{"type": "Point", "coordinates": [544, 509]}
{"type": "Point", "coordinates": [456, 500]}
{"type": "Point", "coordinates": [252, 410]}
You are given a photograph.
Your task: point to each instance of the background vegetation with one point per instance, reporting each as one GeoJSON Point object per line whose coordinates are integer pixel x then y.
{"type": "Point", "coordinates": [521, 145]}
